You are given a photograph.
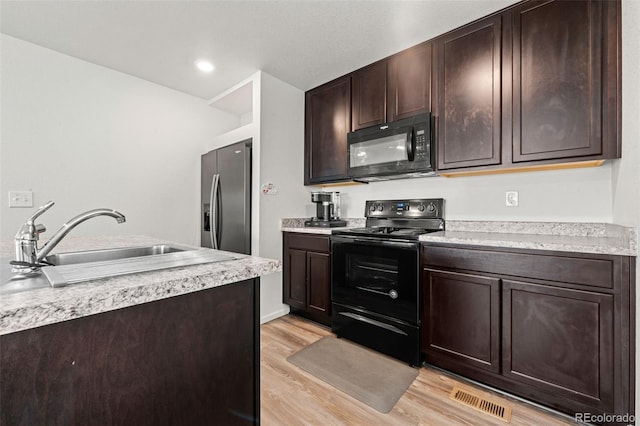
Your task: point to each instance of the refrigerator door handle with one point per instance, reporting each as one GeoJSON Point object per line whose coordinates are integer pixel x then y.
{"type": "Point", "coordinates": [213, 211]}
{"type": "Point", "coordinates": [218, 235]}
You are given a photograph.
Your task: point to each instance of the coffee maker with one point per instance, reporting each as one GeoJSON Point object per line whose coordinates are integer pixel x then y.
{"type": "Point", "coordinates": [327, 210]}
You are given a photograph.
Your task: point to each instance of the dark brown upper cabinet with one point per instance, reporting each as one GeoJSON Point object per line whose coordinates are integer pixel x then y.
{"type": "Point", "coordinates": [468, 89]}
{"type": "Point", "coordinates": [533, 86]}
{"type": "Point", "coordinates": [369, 96]}
{"type": "Point", "coordinates": [327, 122]}
{"type": "Point", "coordinates": [393, 88]}
{"type": "Point", "coordinates": [559, 80]}
{"type": "Point", "coordinates": [409, 82]}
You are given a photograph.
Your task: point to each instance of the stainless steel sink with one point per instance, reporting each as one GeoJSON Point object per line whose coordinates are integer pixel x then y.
{"type": "Point", "coordinates": [75, 267]}
{"type": "Point", "coordinates": [110, 254]}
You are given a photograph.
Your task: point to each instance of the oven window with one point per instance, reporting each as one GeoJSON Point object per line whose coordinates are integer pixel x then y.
{"type": "Point", "coordinates": [374, 274]}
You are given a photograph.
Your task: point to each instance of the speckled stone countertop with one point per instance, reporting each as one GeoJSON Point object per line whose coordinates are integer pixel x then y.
{"type": "Point", "coordinates": [297, 225]}
{"type": "Point", "coordinates": [598, 238]}
{"type": "Point", "coordinates": [35, 308]}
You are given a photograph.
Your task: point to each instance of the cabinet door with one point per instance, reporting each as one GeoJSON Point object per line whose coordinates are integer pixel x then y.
{"type": "Point", "coordinates": [295, 278]}
{"type": "Point", "coordinates": [461, 320]}
{"type": "Point", "coordinates": [318, 280]}
{"type": "Point", "coordinates": [369, 96]}
{"type": "Point", "coordinates": [557, 79]}
{"type": "Point", "coordinates": [327, 122]}
{"type": "Point", "coordinates": [468, 64]}
{"type": "Point", "coordinates": [409, 82]}
{"type": "Point", "coordinates": [559, 341]}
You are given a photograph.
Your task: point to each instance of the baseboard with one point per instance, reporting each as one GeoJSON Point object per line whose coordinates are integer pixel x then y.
{"type": "Point", "coordinates": [273, 315]}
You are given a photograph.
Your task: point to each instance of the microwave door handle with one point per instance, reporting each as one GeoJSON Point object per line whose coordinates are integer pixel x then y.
{"type": "Point", "coordinates": [411, 145]}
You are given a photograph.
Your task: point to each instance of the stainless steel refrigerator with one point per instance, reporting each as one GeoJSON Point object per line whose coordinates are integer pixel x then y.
{"type": "Point", "coordinates": [225, 217]}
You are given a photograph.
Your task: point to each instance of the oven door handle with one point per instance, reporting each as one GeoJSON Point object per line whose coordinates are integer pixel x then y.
{"type": "Point", "coordinates": [372, 322]}
{"type": "Point", "coordinates": [375, 241]}
{"type": "Point", "coordinates": [392, 293]}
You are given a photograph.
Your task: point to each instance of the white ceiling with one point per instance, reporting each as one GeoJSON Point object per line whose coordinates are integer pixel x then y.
{"type": "Point", "coordinates": [304, 43]}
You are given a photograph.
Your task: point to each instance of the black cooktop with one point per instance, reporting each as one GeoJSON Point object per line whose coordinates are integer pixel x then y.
{"type": "Point", "coordinates": [400, 219]}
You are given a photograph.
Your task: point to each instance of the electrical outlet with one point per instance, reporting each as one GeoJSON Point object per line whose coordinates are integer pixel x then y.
{"type": "Point", "coordinates": [512, 198]}
{"type": "Point", "coordinates": [20, 199]}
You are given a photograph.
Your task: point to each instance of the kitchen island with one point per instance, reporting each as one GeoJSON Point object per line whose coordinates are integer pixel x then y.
{"type": "Point", "coordinates": [178, 346]}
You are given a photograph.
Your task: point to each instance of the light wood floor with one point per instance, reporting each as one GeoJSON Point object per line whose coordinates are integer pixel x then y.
{"type": "Point", "coordinates": [290, 396]}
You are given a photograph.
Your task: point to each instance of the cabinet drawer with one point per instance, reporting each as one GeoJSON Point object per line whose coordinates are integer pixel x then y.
{"type": "Point", "coordinates": [318, 243]}
{"type": "Point", "coordinates": [573, 268]}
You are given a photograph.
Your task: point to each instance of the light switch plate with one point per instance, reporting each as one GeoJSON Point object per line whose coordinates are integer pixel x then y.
{"type": "Point", "coordinates": [511, 199]}
{"type": "Point", "coordinates": [20, 199]}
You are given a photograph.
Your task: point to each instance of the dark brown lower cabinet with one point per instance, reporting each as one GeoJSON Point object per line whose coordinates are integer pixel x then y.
{"type": "Point", "coordinates": [469, 304]}
{"type": "Point", "coordinates": [553, 327]}
{"type": "Point", "coordinates": [186, 360]}
{"type": "Point", "coordinates": [307, 280]}
{"type": "Point", "coordinates": [560, 341]}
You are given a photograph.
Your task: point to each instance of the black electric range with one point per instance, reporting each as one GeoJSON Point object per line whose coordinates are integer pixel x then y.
{"type": "Point", "coordinates": [375, 276]}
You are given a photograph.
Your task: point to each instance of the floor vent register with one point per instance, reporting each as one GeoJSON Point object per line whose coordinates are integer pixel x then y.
{"type": "Point", "coordinates": [495, 409]}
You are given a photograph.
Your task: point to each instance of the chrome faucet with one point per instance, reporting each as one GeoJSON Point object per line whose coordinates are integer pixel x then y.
{"type": "Point", "coordinates": [28, 256]}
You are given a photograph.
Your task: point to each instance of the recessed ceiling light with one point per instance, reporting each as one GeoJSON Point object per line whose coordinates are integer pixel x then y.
{"type": "Point", "coordinates": [204, 66]}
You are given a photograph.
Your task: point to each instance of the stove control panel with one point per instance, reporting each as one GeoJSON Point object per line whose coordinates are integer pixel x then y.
{"type": "Point", "coordinates": [424, 208]}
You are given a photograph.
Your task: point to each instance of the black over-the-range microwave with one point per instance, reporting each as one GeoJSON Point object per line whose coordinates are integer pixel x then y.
{"type": "Point", "coordinates": [396, 150]}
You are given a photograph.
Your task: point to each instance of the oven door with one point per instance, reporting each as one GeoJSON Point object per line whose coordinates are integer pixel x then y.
{"type": "Point", "coordinates": [377, 275]}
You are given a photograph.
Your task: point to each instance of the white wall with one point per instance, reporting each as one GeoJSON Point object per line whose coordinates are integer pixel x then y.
{"type": "Point", "coordinates": [282, 146]}
{"type": "Point", "coordinates": [577, 195]}
{"type": "Point", "coordinates": [278, 144]}
{"type": "Point", "coordinates": [86, 137]}
{"type": "Point", "coordinates": [626, 171]}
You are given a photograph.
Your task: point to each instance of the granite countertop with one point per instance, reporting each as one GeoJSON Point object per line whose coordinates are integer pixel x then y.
{"type": "Point", "coordinates": [598, 238]}
{"type": "Point", "coordinates": [35, 308]}
{"type": "Point", "coordinates": [297, 225]}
